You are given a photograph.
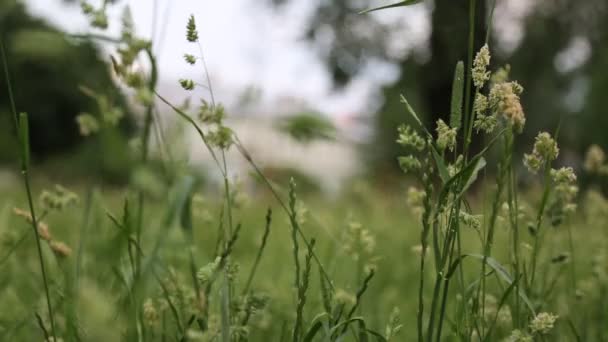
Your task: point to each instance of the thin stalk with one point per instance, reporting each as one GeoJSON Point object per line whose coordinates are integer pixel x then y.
{"type": "Point", "coordinates": [514, 213]}
{"type": "Point", "coordinates": [446, 287]}
{"type": "Point", "coordinates": [226, 288]}
{"type": "Point", "coordinates": [439, 278]}
{"type": "Point", "coordinates": [424, 237]}
{"type": "Point", "coordinates": [22, 129]}
{"type": "Point", "coordinates": [243, 151]}
{"type": "Point", "coordinates": [468, 113]}
{"type": "Point", "coordinates": [539, 221]}
{"type": "Point", "coordinates": [145, 139]}
{"type": "Point", "coordinates": [28, 191]}
{"type": "Point", "coordinates": [572, 260]}
{"type": "Point", "coordinates": [489, 239]}
{"type": "Point", "coordinates": [454, 229]}
{"type": "Point", "coordinates": [258, 257]}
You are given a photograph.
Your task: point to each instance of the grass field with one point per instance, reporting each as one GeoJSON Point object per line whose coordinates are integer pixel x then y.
{"type": "Point", "coordinates": [90, 285]}
{"type": "Point", "coordinates": [473, 244]}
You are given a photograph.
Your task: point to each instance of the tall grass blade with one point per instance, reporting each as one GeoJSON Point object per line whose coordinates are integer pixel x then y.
{"type": "Point", "coordinates": [399, 4]}
{"type": "Point", "coordinates": [457, 96]}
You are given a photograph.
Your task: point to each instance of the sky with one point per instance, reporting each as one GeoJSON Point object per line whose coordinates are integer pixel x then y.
{"type": "Point", "coordinates": [246, 45]}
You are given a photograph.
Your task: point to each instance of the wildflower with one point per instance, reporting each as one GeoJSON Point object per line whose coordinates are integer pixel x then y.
{"type": "Point", "coordinates": [43, 232]}
{"type": "Point", "coordinates": [543, 322]}
{"type": "Point", "coordinates": [195, 335]}
{"type": "Point", "coordinates": [344, 297]}
{"type": "Point", "coordinates": [190, 59]}
{"type": "Point", "coordinates": [519, 336]}
{"type": "Point", "coordinates": [232, 270]}
{"type": "Point", "coordinates": [43, 229]}
{"type": "Point", "coordinates": [415, 199]}
{"type": "Point", "coordinates": [221, 137]}
{"type": "Point", "coordinates": [208, 113]}
{"type": "Point", "coordinates": [60, 249]}
{"type": "Point", "coordinates": [481, 104]}
{"type": "Point", "coordinates": [239, 333]}
{"type": "Point", "coordinates": [501, 75]}
{"type": "Point", "coordinates": [446, 136]}
{"type": "Point", "coordinates": [99, 20]}
{"type": "Point", "coordinates": [564, 175]}
{"type": "Point", "coordinates": [112, 116]}
{"type": "Point", "coordinates": [134, 80]}
{"type": "Point", "coordinates": [455, 167]}
{"type": "Point", "coordinates": [480, 67]}
{"type": "Point", "coordinates": [595, 159]}
{"type": "Point", "coordinates": [473, 221]}
{"type": "Point", "coordinates": [58, 198]}
{"type": "Point", "coordinates": [207, 272]}
{"type": "Point", "coordinates": [150, 313]}
{"type": "Point", "coordinates": [504, 317]}
{"type": "Point", "coordinates": [485, 123]}
{"type": "Point", "coordinates": [144, 96]}
{"type": "Point", "coordinates": [86, 7]}
{"type": "Point", "coordinates": [87, 124]}
{"type": "Point", "coordinates": [409, 163]}
{"type": "Point", "coordinates": [187, 84]}
{"type": "Point", "coordinates": [504, 100]}
{"type": "Point", "coordinates": [565, 191]}
{"type": "Point", "coordinates": [410, 138]}
{"type": "Point", "coordinates": [394, 324]}
{"type": "Point", "coordinates": [191, 32]}
{"type": "Point", "coordinates": [545, 150]}
{"type": "Point", "coordinates": [358, 241]}
{"type": "Point", "coordinates": [256, 302]}
{"type": "Point", "coordinates": [301, 213]}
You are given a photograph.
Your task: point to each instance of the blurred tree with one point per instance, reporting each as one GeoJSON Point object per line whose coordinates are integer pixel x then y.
{"type": "Point", "coordinates": [552, 33]}
{"type": "Point", "coordinates": [46, 71]}
{"type": "Point", "coordinates": [426, 81]}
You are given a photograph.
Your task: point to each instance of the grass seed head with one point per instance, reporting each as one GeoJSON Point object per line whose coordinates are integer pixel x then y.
{"type": "Point", "coordinates": [480, 67]}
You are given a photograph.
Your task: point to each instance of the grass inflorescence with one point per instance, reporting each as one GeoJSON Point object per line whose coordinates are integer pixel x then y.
{"type": "Point", "coordinates": [189, 266]}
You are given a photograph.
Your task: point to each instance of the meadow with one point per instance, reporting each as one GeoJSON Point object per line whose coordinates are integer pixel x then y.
{"type": "Point", "coordinates": [474, 244]}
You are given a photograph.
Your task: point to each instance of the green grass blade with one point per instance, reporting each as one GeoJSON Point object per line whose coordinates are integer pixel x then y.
{"type": "Point", "coordinates": [24, 136]}
{"type": "Point", "coordinates": [399, 4]}
{"type": "Point", "coordinates": [457, 96]}
{"type": "Point", "coordinates": [498, 268]}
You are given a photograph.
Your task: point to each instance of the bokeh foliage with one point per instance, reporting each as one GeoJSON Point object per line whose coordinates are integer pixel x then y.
{"type": "Point", "coordinates": [47, 70]}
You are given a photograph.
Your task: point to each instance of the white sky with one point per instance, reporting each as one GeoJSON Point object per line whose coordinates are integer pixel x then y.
{"type": "Point", "coordinates": [246, 45]}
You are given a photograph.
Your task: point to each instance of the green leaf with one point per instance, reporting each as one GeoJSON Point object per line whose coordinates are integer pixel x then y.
{"type": "Point", "coordinates": [468, 174]}
{"type": "Point", "coordinates": [317, 324]}
{"type": "Point", "coordinates": [500, 270]}
{"type": "Point", "coordinates": [363, 336]}
{"type": "Point", "coordinates": [411, 110]}
{"type": "Point", "coordinates": [470, 171]}
{"type": "Point", "coordinates": [186, 215]}
{"type": "Point", "coordinates": [471, 174]}
{"type": "Point", "coordinates": [377, 335]}
{"type": "Point", "coordinates": [179, 197]}
{"type": "Point", "coordinates": [312, 332]}
{"type": "Point", "coordinates": [344, 324]}
{"type": "Point", "coordinates": [399, 4]}
{"type": "Point", "coordinates": [501, 303]}
{"type": "Point", "coordinates": [443, 170]}
{"type": "Point", "coordinates": [457, 95]}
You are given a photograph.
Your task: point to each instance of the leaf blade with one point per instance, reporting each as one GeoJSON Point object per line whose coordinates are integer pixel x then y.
{"type": "Point", "coordinates": [399, 4]}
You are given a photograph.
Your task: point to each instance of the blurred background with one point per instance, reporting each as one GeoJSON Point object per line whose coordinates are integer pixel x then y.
{"type": "Point", "coordinates": [310, 86]}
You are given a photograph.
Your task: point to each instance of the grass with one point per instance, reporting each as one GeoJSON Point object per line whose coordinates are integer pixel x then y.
{"type": "Point", "coordinates": [466, 255]}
